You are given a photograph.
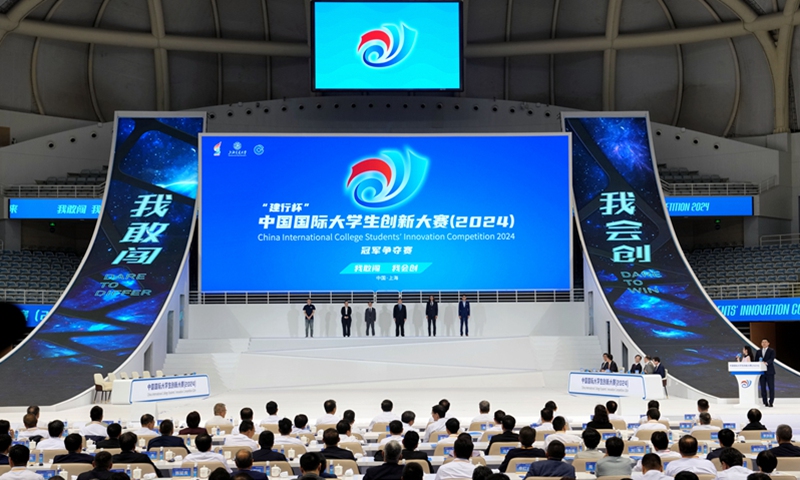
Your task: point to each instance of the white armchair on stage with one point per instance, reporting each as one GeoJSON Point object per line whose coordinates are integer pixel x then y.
{"type": "Point", "coordinates": [747, 375]}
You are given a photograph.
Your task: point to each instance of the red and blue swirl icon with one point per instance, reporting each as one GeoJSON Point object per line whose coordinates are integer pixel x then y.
{"type": "Point", "coordinates": [389, 179]}
{"type": "Point", "coordinates": [746, 383]}
{"type": "Point", "coordinates": [387, 46]}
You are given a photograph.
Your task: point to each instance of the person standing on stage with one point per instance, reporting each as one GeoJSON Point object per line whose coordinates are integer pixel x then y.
{"type": "Point", "coordinates": [347, 319]}
{"type": "Point", "coordinates": [369, 316]}
{"type": "Point", "coordinates": [463, 314]}
{"type": "Point", "coordinates": [432, 312]}
{"type": "Point", "coordinates": [766, 356]}
{"type": "Point", "coordinates": [399, 314]}
{"type": "Point", "coordinates": [308, 311]}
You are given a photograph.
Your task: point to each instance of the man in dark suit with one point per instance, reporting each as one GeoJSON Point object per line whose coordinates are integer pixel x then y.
{"type": "Point", "coordinates": [754, 419]}
{"type": "Point", "coordinates": [102, 468]}
{"type": "Point", "coordinates": [347, 319]}
{"type": "Point", "coordinates": [726, 438]}
{"type": "Point", "coordinates": [370, 316]}
{"type": "Point", "coordinates": [637, 364]}
{"type": "Point", "coordinates": [463, 314]}
{"type": "Point", "coordinates": [785, 447]}
{"type": "Point", "coordinates": [265, 454]}
{"type": "Point", "coordinates": [311, 466]}
{"type": "Point", "coordinates": [391, 468]}
{"type": "Point", "coordinates": [332, 450]}
{"type": "Point", "coordinates": [767, 380]}
{"type": "Point", "coordinates": [127, 442]}
{"type": "Point", "coordinates": [508, 434]}
{"type": "Point", "coordinates": [73, 444]}
{"type": "Point", "coordinates": [527, 436]}
{"type": "Point", "coordinates": [166, 439]}
{"type": "Point", "coordinates": [5, 445]}
{"type": "Point", "coordinates": [431, 313]}
{"type": "Point", "coordinates": [410, 452]}
{"type": "Point", "coordinates": [399, 314]}
{"type": "Point", "coordinates": [244, 462]}
{"type": "Point", "coordinates": [659, 370]}
{"type": "Point", "coordinates": [554, 466]}
{"type": "Point", "coordinates": [114, 431]}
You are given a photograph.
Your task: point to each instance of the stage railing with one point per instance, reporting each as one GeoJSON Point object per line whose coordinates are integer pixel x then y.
{"type": "Point", "coordinates": [753, 290]}
{"type": "Point", "coordinates": [718, 189]}
{"type": "Point", "coordinates": [779, 240]}
{"type": "Point", "coordinates": [32, 297]}
{"type": "Point", "coordinates": [243, 298]}
{"type": "Point", "coordinates": [54, 191]}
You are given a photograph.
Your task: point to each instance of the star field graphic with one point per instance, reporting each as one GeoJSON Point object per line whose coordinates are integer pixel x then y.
{"type": "Point", "coordinates": [638, 263]}
{"type": "Point", "coordinates": [128, 272]}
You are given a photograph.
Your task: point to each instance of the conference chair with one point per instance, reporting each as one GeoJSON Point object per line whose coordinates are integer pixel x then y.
{"type": "Point", "coordinates": [703, 476]}
{"type": "Point", "coordinates": [497, 446]}
{"type": "Point", "coordinates": [487, 435]}
{"type": "Point", "coordinates": [135, 375]}
{"type": "Point", "coordinates": [210, 465]}
{"type": "Point", "coordinates": [702, 434]}
{"type": "Point", "coordinates": [298, 449]}
{"type": "Point", "coordinates": [425, 468]}
{"type": "Point", "coordinates": [49, 455]}
{"type": "Point", "coordinates": [123, 375]}
{"type": "Point", "coordinates": [520, 465]}
{"type": "Point", "coordinates": [159, 374]}
{"type": "Point", "coordinates": [101, 386]}
{"type": "Point", "coordinates": [225, 429]}
{"type": "Point", "coordinates": [439, 450]}
{"type": "Point", "coordinates": [146, 374]}
{"type": "Point", "coordinates": [5, 469]}
{"type": "Point", "coordinates": [783, 477]}
{"type": "Point", "coordinates": [175, 450]}
{"type": "Point", "coordinates": [717, 464]}
{"type": "Point", "coordinates": [753, 435]}
{"type": "Point", "coordinates": [674, 447]}
{"type": "Point", "coordinates": [480, 426]}
{"type": "Point", "coordinates": [324, 426]}
{"type": "Point", "coordinates": [354, 447]}
{"type": "Point", "coordinates": [635, 444]}
{"type": "Point", "coordinates": [665, 422]}
{"type": "Point", "coordinates": [437, 437]}
{"type": "Point", "coordinates": [580, 463]}
{"type": "Point", "coordinates": [270, 427]}
{"type": "Point", "coordinates": [284, 466]}
{"type": "Point", "coordinates": [619, 424]}
{"type": "Point", "coordinates": [747, 447]}
{"type": "Point", "coordinates": [381, 436]}
{"type": "Point", "coordinates": [380, 427]}
{"type": "Point", "coordinates": [346, 465]}
{"type": "Point", "coordinates": [717, 423]}
{"type": "Point", "coordinates": [477, 461]}
{"type": "Point", "coordinates": [788, 464]}
{"type": "Point", "coordinates": [75, 469]}
{"type": "Point", "coordinates": [358, 436]}
{"type": "Point", "coordinates": [112, 377]}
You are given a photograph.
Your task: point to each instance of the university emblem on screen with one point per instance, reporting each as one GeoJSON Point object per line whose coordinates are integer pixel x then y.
{"type": "Point", "coordinates": [386, 46]}
{"type": "Point", "coordinates": [389, 179]}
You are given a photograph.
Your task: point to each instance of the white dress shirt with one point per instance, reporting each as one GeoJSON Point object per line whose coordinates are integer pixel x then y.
{"type": "Point", "coordinates": [562, 437]}
{"type": "Point", "coordinates": [389, 438]}
{"type": "Point", "coordinates": [446, 415]}
{"type": "Point", "coordinates": [328, 419]}
{"type": "Point", "coordinates": [296, 430]}
{"type": "Point", "coordinates": [650, 475]}
{"type": "Point", "coordinates": [383, 417]}
{"type": "Point", "coordinates": [348, 438]}
{"type": "Point", "coordinates": [646, 429]}
{"type": "Point", "coordinates": [451, 440]}
{"type": "Point", "coordinates": [545, 427]}
{"type": "Point", "coordinates": [216, 420]}
{"type": "Point", "coordinates": [22, 473]}
{"type": "Point", "coordinates": [666, 456]}
{"type": "Point", "coordinates": [145, 431]}
{"type": "Point", "coordinates": [695, 465]}
{"type": "Point", "coordinates": [51, 444]}
{"type": "Point", "coordinates": [36, 431]}
{"type": "Point", "coordinates": [94, 429]}
{"type": "Point", "coordinates": [483, 418]}
{"type": "Point", "coordinates": [240, 440]}
{"type": "Point", "coordinates": [408, 428]}
{"type": "Point", "coordinates": [280, 439]}
{"type": "Point", "coordinates": [614, 416]}
{"type": "Point", "coordinates": [207, 457]}
{"type": "Point", "coordinates": [703, 428]}
{"type": "Point", "coordinates": [458, 468]}
{"type": "Point", "coordinates": [272, 419]}
{"type": "Point", "coordinates": [734, 473]}
{"type": "Point", "coordinates": [436, 426]}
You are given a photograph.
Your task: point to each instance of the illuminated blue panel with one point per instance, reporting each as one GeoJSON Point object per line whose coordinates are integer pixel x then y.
{"type": "Point", "coordinates": [386, 45]}
{"type": "Point", "coordinates": [54, 208]}
{"type": "Point", "coordinates": [323, 213]}
{"type": "Point", "coordinates": [34, 313]}
{"type": "Point", "coordinates": [709, 206]}
{"type": "Point", "coordinates": [760, 309]}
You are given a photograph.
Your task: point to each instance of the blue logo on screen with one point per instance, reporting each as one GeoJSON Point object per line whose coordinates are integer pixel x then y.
{"type": "Point", "coordinates": [388, 180]}
{"type": "Point", "coordinates": [387, 46]}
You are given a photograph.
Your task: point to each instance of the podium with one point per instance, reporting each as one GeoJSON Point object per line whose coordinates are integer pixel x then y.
{"type": "Point", "coordinates": [747, 375]}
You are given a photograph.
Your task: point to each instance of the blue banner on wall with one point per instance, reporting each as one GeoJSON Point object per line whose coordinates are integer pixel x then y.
{"type": "Point", "coordinates": [139, 245]}
{"type": "Point", "coordinates": [760, 309]}
{"type": "Point", "coordinates": [54, 208]}
{"type": "Point", "coordinates": [709, 206]}
{"type": "Point", "coordinates": [34, 314]}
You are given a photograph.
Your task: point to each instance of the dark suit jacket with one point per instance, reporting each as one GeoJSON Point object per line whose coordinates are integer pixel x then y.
{"type": "Point", "coordinates": [95, 473]}
{"type": "Point", "coordinates": [521, 453]}
{"type": "Point", "coordinates": [70, 458]}
{"type": "Point", "coordinates": [399, 312]}
{"type": "Point", "coordinates": [347, 312]}
{"type": "Point", "coordinates": [431, 309]}
{"type": "Point", "coordinates": [193, 431]}
{"type": "Point", "coordinates": [714, 453]}
{"type": "Point", "coordinates": [502, 437]}
{"type": "Point", "coordinates": [416, 455]}
{"type": "Point", "coordinates": [551, 468]}
{"type": "Point", "coordinates": [786, 450]}
{"type": "Point", "coordinates": [370, 314]}
{"type": "Point", "coordinates": [660, 371]}
{"type": "Point", "coordinates": [167, 441]}
{"type": "Point", "coordinates": [463, 309]}
{"type": "Point", "coordinates": [387, 471]}
{"type": "Point", "coordinates": [769, 358]}
{"type": "Point", "coordinates": [611, 367]}
{"type": "Point", "coordinates": [600, 426]}
{"type": "Point", "coordinates": [754, 426]}
{"type": "Point", "coordinates": [338, 453]}
{"type": "Point", "coordinates": [267, 455]}
{"type": "Point", "coordinates": [4, 459]}
{"type": "Point", "coordinates": [133, 457]}
{"type": "Point", "coordinates": [636, 368]}
{"type": "Point", "coordinates": [252, 474]}
{"type": "Point", "coordinates": [110, 443]}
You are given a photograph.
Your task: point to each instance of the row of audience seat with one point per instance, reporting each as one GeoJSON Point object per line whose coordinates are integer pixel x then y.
{"type": "Point", "coordinates": [742, 265]}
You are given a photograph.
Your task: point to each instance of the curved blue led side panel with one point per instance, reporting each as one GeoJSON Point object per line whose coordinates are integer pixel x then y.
{"type": "Point", "coordinates": [637, 261]}
{"type": "Point", "coordinates": [139, 245]}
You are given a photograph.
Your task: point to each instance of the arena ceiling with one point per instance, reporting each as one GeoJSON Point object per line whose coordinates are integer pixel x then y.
{"type": "Point", "coordinates": [719, 66]}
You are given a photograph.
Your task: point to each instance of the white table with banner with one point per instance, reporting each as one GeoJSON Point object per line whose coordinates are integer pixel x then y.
{"type": "Point", "coordinates": [141, 390]}
{"type": "Point", "coordinates": [620, 385]}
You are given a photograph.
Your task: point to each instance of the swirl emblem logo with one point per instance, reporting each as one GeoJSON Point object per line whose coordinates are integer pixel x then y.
{"type": "Point", "coordinates": [746, 383]}
{"type": "Point", "coordinates": [387, 46]}
{"type": "Point", "coordinates": [387, 180]}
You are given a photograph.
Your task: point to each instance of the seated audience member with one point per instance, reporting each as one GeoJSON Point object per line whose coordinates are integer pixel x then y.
{"type": "Point", "coordinates": [481, 472]}
{"type": "Point", "coordinates": [332, 449]}
{"type": "Point", "coordinates": [127, 443]}
{"type": "Point", "coordinates": [266, 440]}
{"type": "Point", "coordinates": [652, 424]}
{"type": "Point", "coordinates": [5, 427]}
{"type": "Point", "coordinates": [96, 428]}
{"type": "Point", "coordinates": [767, 462]}
{"type": "Point", "coordinates": [497, 426]}
{"type": "Point", "coordinates": [726, 438]}
{"type": "Point", "coordinates": [18, 457]}
{"type": "Point", "coordinates": [687, 446]}
{"type": "Point", "coordinates": [759, 476]}
{"type": "Point", "coordinates": [452, 426]}
{"type": "Point", "coordinates": [310, 466]}
{"type": "Point", "coordinates": [554, 466]}
{"type": "Point", "coordinates": [244, 463]}
{"type": "Point", "coordinates": [754, 420]}
{"type": "Point", "coordinates": [461, 466]}
{"type": "Point", "coordinates": [591, 439]}
{"type": "Point", "coordinates": [660, 443]}
{"type": "Point", "coordinates": [413, 471]}
{"type": "Point", "coordinates": [113, 431]}
{"type": "Point", "coordinates": [561, 433]}
{"type": "Point", "coordinates": [54, 442]}
{"type": "Point", "coordinates": [611, 408]}
{"type": "Point", "coordinates": [114, 476]}
{"type": "Point", "coordinates": [192, 425]}
{"type": "Point", "coordinates": [244, 438]}
{"type": "Point", "coordinates": [219, 474]}
{"type": "Point", "coordinates": [102, 468]}
{"type": "Point", "coordinates": [650, 404]}
{"type": "Point", "coordinates": [785, 447]}
{"type": "Point", "coordinates": [204, 453]}
{"type": "Point", "coordinates": [300, 424]}
{"type": "Point", "coordinates": [73, 444]}
{"type": "Point", "coordinates": [702, 407]}
{"type": "Point", "coordinates": [32, 431]}
{"type": "Point", "coordinates": [483, 413]}
{"type": "Point", "coordinates": [148, 426]}
{"type": "Point", "coordinates": [166, 439]}
{"type": "Point", "coordinates": [345, 435]}
{"type": "Point", "coordinates": [285, 429]}
{"type": "Point", "coordinates": [614, 463]}
{"type": "Point", "coordinates": [508, 435]}
{"type": "Point", "coordinates": [219, 420]}
{"type": "Point", "coordinates": [498, 476]}
{"type": "Point", "coordinates": [395, 432]}
{"type": "Point", "coordinates": [704, 424]}
{"type": "Point", "coordinates": [545, 421]}
{"type": "Point", "coordinates": [246, 475]}
{"type": "Point", "coordinates": [272, 414]}
{"type": "Point", "coordinates": [527, 436]}
{"type": "Point", "coordinates": [391, 468]}
{"type": "Point", "coordinates": [350, 416]}
{"type": "Point", "coordinates": [732, 469]}
{"type": "Point", "coordinates": [5, 445]}
{"type": "Point", "coordinates": [410, 452]}
{"type": "Point", "coordinates": [651, 469]}
{"type": "Point", "coordinates": [600, 420]}
{"type": "Point", "coordinates": [407, 418]}
{"type": "Point", "coordinates": [386, 414]}
{"type": "Point", "coordinates": [686, 475]}
{"type": "Point", "coordinates": [438, 414]}
{"type": "Point", "coordinates": [330, 417]}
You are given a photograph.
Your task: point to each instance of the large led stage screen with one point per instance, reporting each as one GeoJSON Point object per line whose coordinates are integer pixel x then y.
{"type": "Point", "coordinates": [386, 45]}
{"type": "Point", "coordinates": [384, 212]}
